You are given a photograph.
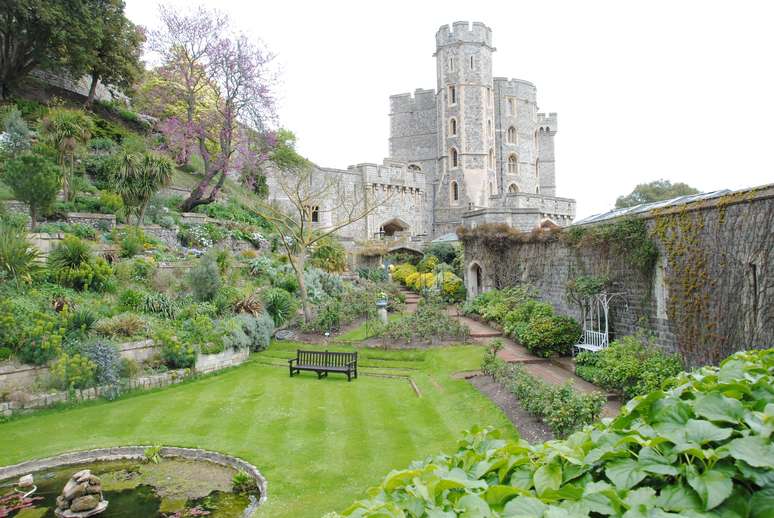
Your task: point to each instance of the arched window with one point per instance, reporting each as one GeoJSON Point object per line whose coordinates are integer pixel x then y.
{"type": "Point", "coordinates": [451, 63]}
{"type": "Point", "coordinates": [455, 160]}
{"type": "Point", "coordinates": [455, 192]}
{"type": "Point", "coordinates": [537, 190]}
{"type": "Point", "coordinates": [452, 126]}
{"type": "Point", "coordinates": [452, 95]}
{"type": "Point", "coordinates": [471, 62]}
{"type": "Point", "coordinates": [315, 214]}
{"type": "Point", "coordinates": [513, 188]}
{"type": "Point", "coordinates": [491, 158]}
{"type": "Point", "coordinates": [491, 189]}
{"type": "Point", "coordinates": [513, 164]}
{"type": "Point", "coordinates": [489, 127]}
{"type": "Point", "coordinates": [537, 167]}
{"type": "Point", "coordinates": [511, 135]}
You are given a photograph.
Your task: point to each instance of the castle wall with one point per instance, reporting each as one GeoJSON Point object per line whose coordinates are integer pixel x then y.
{"type": "Point", "coordinates": [710, 293]}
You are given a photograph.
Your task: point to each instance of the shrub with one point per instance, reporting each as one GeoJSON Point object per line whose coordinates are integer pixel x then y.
{"type": "Point", "coordinates": [400, 272]}
{"type": "Point", "coordinates": [34, 335]}
{"type": "Point", "coordinates": [77, 229]}
{"type": "Point", "coordinates": [5, 353]}
{"type": "Point", "coordinates": [452, 287]}
{"type": "Point", "coordinates": [372, 274]}
{"type": "Point", "coordinates": [204, 278]}
{"type": "Point", "coordinates": [34, 180]}
{"type": "Point", "coordinates": [71, 253]}
{"type": "Point", "coordinates": [82, 319]}
{"type": "Point", "coordinates": [131, 241]}
{"type": "Point", "coordinates": [131, 299]}
{"type": "Point", "coordinates": [546, 336]}
{"type": "Point", "coordinates": [630, 365]}
{"type": "Point", "coordinates": [123, 325]}
{"type": "Point", "coordinates": [250, 304]}
{"type": "Point", "coordinates": [17, 256]}
{"type": "Point", "coordinates": [262, 266]}
{"type": "Point", "coordinates": [515, 322]}
{"type": "Point", "coordinates": [280, 305]}
{"type": "Point", "coordinates": [111, 203]}
{"type": "Point", "coordinates": [329, 255]}
{"type": "Point", "coordinates": [287, 282]}
{"type": "Point", "coordinates": [200, 332]}
{"type": "Point", "coordinates": [496, 304]}
{"type": "Point", "coordinates": [106, 359]}
{"type": "Point", "coordinates": [258, 329]}
{"type": "Point", "coordinates": [73, 372]}
{"type": "Point", "coordinates": [128, 368]}
{"type": "Point", "coordinates": [429, 323]}
{"type": "Point", "coordinates": [443, 252]}
{"type": "Point", "coordinates": [696, 450]}
{"type": "Point", "coordinates": [174, 353]}
{"type": "Point", "coordinates": [72, 264]}
{"type": "Point", "coordinates": [159, 304]}
{"type": "Point", "coordinates": [427, 264]}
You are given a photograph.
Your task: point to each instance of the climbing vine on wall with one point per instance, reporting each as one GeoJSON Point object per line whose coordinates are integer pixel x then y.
{"type": "Point", "coordinates": [688, 280]}
{"type": "Point", "coordinates": [628, 237]}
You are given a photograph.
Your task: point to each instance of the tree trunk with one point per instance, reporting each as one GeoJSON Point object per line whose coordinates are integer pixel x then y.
{"type": "Point", "coordinates": [298, 262]}
{"type": "Point", "coordinates": [141, 216]}
{"type": "Point", "coordinates": [92, 89]}
{"type": "Point", "coordinates": [33, 217]}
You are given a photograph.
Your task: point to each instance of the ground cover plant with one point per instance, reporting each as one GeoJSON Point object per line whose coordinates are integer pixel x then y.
{"type": "Point", "coordinates": [257, 412]}
{"type": "Point", "coordinates": [700, 449]}
{"type": "Point", "coordinates": [429, 324]}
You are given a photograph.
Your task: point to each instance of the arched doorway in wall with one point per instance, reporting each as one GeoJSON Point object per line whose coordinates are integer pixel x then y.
{"type": "Point", "coordinates": [390, 227]}
{"type": "Point", "coordinates": [475, 280]}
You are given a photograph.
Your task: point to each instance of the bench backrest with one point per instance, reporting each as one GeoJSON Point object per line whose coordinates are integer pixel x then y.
{"type": "Point", "coordinates": [325, 358]}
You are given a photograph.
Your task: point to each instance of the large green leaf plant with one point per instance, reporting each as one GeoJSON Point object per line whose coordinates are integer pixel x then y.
{"type": "Point", "coordinates": [702, 448]}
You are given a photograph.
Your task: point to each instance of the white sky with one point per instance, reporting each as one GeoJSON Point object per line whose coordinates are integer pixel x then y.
{"type": "Point", "coordinates": [682, 90]}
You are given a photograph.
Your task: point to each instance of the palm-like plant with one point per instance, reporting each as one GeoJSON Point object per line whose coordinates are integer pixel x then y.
{"type": "Point", "coordinates": [139, 177]}
{"type": "Point", "coordinates": [65, 130]}
{"type": "Point", "coordinates": [17, 256]}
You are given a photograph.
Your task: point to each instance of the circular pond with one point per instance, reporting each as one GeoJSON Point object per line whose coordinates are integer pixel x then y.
{"type": "Point", "coordinates": [167, 482]}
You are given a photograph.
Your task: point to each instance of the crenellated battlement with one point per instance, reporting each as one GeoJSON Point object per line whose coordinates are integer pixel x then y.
{"type": "Point", "coordinates": [547, 121]}
{"type": "Point", "coordinates": [463, 32]}
{"type": "Point", "coordinates": [421, 99]}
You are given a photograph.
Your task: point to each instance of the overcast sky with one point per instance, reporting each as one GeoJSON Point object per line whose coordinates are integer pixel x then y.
{"type": "Point", "coordinates": [682, 90]}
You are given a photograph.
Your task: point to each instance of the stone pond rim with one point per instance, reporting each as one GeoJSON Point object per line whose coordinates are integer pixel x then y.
{"type": "Point", "coordinates": [138, 453]}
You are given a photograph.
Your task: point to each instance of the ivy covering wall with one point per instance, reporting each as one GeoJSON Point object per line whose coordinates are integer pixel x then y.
{"type": "Point", "coordinates": [699, 276]}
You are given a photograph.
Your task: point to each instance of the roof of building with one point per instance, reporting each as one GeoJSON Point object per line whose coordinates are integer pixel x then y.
{"type": "Point", "coordinates": [645, 207]}
{"type": "Point", "coordinates": [446, 238]}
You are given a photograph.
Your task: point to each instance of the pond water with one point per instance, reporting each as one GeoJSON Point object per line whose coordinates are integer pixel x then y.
{"type": "Point", "coordinates": [171, 488]}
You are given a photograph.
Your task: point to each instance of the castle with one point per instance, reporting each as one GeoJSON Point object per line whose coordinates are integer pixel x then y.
{"type": "Point", "coordinates": [474, 150]}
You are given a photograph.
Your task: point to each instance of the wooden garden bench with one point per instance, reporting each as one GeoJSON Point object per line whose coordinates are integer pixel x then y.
{"type": "Point", "coordinates": [323, 362]}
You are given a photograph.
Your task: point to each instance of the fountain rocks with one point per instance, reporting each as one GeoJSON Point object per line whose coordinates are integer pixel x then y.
{"type": "Point", "coordinates": [81, 497]}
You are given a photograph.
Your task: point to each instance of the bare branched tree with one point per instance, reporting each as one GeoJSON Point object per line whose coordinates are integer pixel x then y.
{"type": "Point", "coordinates": [296, 203]}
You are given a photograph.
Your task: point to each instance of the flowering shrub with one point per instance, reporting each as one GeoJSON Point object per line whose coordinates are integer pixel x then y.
{"type": "Point", "coordinates": [73, 371]}
{"type": "Point", "coordinates": [400, 272]}
{"type": "Point", "coordinates": [452, 287]}
{"type": "Point", "coordinates": [429, 323]}
{"type": "Point", "coordinates": [36, 336]}
{"type": "Point", "coordinates": [174, 353]}
{"type": "Point", "coordinates": [700, 449]}
{"type": "Point", "coordinates": [516, 321]}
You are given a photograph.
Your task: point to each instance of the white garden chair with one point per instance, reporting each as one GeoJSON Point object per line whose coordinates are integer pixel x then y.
{"type": "Point", "coordinates": [596, 332]}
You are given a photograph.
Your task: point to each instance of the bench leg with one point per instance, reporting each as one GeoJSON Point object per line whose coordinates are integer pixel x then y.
{"type": "Point", "coordinates": [291, 371]}
{"type": "Point", "coordinates": [349, 376]}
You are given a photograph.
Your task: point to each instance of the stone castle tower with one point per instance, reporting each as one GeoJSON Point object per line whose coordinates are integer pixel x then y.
{"type": "Point", "coordinates": [479, 140]}
{"type": "Point", "coordinates": [473, 150]}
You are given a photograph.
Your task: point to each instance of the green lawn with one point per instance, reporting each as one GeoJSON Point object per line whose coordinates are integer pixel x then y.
{"type": "Point", "coordinates": [320, 443]}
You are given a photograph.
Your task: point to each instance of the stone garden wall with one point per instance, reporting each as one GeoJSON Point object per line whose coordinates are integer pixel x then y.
{"type": "Point", "coordinates": [710, 292]}
{"type": "Point", "coordinates": [17, 380]}
{"type": "Point", "coordinates": [98, 221]}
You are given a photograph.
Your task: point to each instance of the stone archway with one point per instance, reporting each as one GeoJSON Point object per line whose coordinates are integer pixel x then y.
{"type": "Point", "coordinates": [393, 226]}
{"type": "Point", "coordinates": [475, 280]}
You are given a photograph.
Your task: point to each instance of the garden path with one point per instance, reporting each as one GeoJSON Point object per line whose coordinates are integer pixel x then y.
{"type": "Point", "coordinates": [556, 372]}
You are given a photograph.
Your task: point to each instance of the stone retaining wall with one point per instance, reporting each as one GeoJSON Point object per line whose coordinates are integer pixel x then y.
{"type": "Point", "coordinates": [18, 379]}
{"type": "Point", "coordinates": [138, 453]}
{"type": "Point", "coordinates": [94, 220]}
